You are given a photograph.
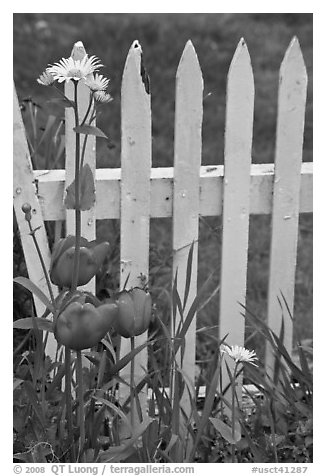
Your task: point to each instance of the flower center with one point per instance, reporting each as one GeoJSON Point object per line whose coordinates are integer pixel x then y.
{"type": "Point", "coordinates": [75, 73]}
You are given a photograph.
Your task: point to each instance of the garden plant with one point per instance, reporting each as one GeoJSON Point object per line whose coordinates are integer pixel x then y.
{"type": "Point", "coordinates": [64, 412]}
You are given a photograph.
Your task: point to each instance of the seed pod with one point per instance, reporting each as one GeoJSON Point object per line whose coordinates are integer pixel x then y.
{"type": "Point", "coordinates": [26, 208]}
{"type": "Point", "coordinates": [81, 326]}
{"type": "Point", "coordinates": [134, 312]}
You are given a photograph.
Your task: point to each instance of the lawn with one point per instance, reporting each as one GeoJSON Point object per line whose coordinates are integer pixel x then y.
{"type": "Point", "coordinates": [40, 39]}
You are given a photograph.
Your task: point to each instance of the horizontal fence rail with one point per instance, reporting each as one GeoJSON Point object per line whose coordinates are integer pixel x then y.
{"type": "Point", "coordinates": [51, 184]}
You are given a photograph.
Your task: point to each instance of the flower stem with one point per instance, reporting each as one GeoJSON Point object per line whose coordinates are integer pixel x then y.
{"type": "Point", "coordinates": [80, 386]}
{"type": "Point", "coordinates": [73, 288]}
{"type": "Point", "coordinates": [63, 95]}
{"type": "Point", "coordinates": [88, 109]}
{"type": "Point", "coordinates": [81, 413]}
{"type": "Point", "coordinates": [67, 351]}
{"type": "Point", "coordinates": [45, 272]}
{"type": "Point", "coordinates": [233, 410]}
{"type": "Point", "coordinates": [68, 403]}
{"type": "Point", "coordinates": [83, 152]}
{"type": "Point", "coordinates": [77, 198]}
{"type": "Point", "coordinates": [132, 384]}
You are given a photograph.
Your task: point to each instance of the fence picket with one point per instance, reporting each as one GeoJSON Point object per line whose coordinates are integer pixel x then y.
{"type": "Point", "coordinates": [25, 191]}
{"type": "Point", "coordinates": [286, 196]}
{"type": "Point", "coordinates": [187, 161]}
{"type": "Point", "coordinates": [236, 203]}
{"type": "Point", "coordinates": [136, 158]}
{"type": "Point", "coordinates": [88, 226]}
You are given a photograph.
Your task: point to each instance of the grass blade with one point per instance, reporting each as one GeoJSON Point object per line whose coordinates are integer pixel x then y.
{"type": "Point", "coordinates": [30, 322]}
{"type": "Point", "coordinates": [188, 274]}
{"type": "Point", "coordinates": [28, 284]}
{"type": "Point", "coordinates": [191, 313]}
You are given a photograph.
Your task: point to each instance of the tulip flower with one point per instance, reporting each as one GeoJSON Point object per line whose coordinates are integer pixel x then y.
{"type": "Point", "coordinates": [62, 262]}
{"type": "Point", "coordinates": [134, 312]}
{"type": "Point", "coordinates": [81, 326]}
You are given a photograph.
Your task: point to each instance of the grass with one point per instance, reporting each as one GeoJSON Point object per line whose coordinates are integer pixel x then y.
{"type": "Point", "coordinates": [40, 39]}
{"type": "Point", "coordinates": [275, 423]}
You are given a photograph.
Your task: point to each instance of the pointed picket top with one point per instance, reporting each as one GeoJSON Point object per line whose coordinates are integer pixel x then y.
{"type": "Point", "coordinates": [134, 68]}
{"type": "Point", "coordinates": [293, 78]}
{"type": "Point", "coordinates": [239, 101]}
{"type": "Point", "coordinates": [135, 51]}
{"type": "Point", "coordinates": [293, 61]}
{"type": "Point", "coordinates": [189, 62]}
{"type": "Point", "coordinates": [240, 67]}
{"type": "Point", "coordinates": [78, 51]}
{"type": "Point", "coordinates": [292, 93]}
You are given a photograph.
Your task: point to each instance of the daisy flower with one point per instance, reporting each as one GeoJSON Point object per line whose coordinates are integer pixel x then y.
{"type": "Point", "coordinates": [46, 79]}
{"type": "Point", "coordinates": [97, 82]}
{"type": "Point", "coordinates": [240, 354]}
{"type": "Point", "coordinates": [69, 68]}
{"type": "Point", "coordinates": [102, 96]}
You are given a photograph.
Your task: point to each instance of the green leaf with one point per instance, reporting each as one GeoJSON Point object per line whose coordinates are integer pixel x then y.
{"type": "Point", "coordinates": [208, 405]}
{"type": "Point", "coordinates": [115, 454]}
{"type": "Point", "coordinates": [188, 274]}
{"type": "Point", "coordinates": [114, 369]}
{"type": "Point", "coordinates": [70, 200]}
{"type": "Point", "coordinates": [226, 431]}
{"type": "Point", "coordinates": [61, 102]}
{"type": "Point", "coordinates": [90, 130]}
{"type": "Point", "coordinates": [33, 399]}
{"type": "Point", "coordinates": [17, 382]}
{"type": "Point", "coordinates": [115, 410]}
{"type": "Point", "coordinates": [28, 284]}
{"type": "Point", "coordinates": [191, 313]}
{"type": "Point", "coordinates": [87, 188]}
{"type": "Point", "coordinates": [119, 453]}
{"type": "Point", "coordinates": [57, 302]}
{"type": "Point", "coordinates": [30, 323]}
{"type": "Point", "coordinates": [56, 382]}
{"type": "Point", "coordinates": [87, 191]}
{"type": "Point", "coordinates": [172, 442]}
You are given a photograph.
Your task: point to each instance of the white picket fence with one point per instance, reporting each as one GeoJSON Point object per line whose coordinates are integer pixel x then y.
{"type": "Point", "coordinates": [137, 192]}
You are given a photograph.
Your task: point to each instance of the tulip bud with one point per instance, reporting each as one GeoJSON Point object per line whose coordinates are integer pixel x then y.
{"type": "Point", "coordinates": [81, 326]}
{"type": "Point", "coordinates": [134, 312]}
{"type": "Point", "coordinates": [90, 260]}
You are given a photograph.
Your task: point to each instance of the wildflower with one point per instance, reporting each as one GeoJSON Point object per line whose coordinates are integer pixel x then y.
{"type": "Point", "coordinates": [97, 82]}
{"type": "Point", "coordinates": [69, 68]}
{"type": "Point", "coordinates": [240, 354]}
{"type": "Point", "coordinates": [46, 78]}
{"type": "Point", "coordinates": [101, 96]}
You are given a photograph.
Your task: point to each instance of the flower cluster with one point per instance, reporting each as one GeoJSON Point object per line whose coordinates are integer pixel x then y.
{"type": "Point", "coordinates": [84, 68]}
{"type": "Point", "coordinates": [97, 83]}
{"type": "Point", "coordinates": [46, 79]}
